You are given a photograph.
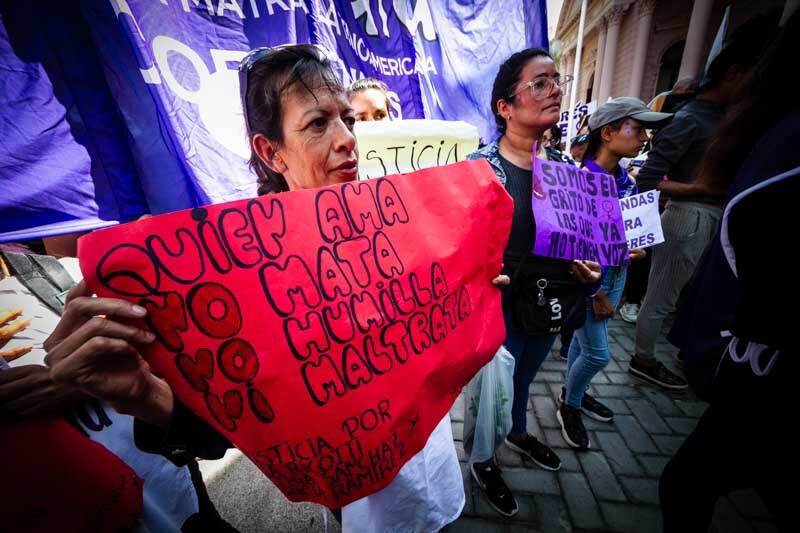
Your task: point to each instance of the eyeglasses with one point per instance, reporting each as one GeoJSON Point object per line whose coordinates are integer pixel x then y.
{"type": "Point", "coordinates": [542, 86]}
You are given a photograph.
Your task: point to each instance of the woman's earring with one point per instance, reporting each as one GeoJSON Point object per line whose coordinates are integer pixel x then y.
{"type": "Point", "coordinates": [509, 117]}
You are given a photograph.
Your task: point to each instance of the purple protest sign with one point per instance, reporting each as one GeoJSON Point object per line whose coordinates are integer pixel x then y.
{"type": "Point", "coordinates": [577, 214]}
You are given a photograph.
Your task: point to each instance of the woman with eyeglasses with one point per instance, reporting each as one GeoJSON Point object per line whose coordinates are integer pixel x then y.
{"type": "Point", "coordinates": [300, 128]}
{"type": "Point", "coordinates": [526, 101]}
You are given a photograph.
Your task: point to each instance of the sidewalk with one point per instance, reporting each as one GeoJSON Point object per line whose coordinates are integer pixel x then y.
{"type": "Point", "coordinates": [614, 485]}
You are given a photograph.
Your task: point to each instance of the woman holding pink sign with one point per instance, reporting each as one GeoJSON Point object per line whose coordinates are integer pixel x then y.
{"type": "Point", "coordinates": [300, 129]}
{"type": "Point", "coordinates": [617, 130]}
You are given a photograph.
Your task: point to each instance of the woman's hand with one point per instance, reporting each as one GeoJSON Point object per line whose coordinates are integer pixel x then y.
{"type": "Point", "coordinates": [601, 306]}
{"type": "Point", "coordinates": [28, 390]}
{"type": "Point", "coordinates": [501, 281]}
{"type": "Point", "coordinates": [92, 352]}
{"type": "Point", "coordinates": [587, 272]}
{"type": "Point", "coordinates": [635, 254]}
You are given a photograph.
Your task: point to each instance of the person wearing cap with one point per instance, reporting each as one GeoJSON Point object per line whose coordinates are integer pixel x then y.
{"type": "Point", "coordinates": [617, 130]}
{"type": "Point", "coordinates": [692, 214]}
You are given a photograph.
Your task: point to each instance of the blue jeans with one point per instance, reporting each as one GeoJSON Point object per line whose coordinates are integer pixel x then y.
{"type": "Point", "coordinates": [529, 353]}
{"type": "Point", "coordinates": [588, 352]}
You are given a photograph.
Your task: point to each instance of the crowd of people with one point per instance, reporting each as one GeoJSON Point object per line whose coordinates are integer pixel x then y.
{"type": "Point", "coordinates": [723, 162]}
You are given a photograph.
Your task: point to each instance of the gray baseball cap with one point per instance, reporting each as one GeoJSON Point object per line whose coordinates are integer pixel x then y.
{"type": "Point", "coordinates": [623, 107]}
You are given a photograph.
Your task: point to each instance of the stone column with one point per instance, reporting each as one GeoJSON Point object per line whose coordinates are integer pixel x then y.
{"type": "Point", "coordinates": [602, 29]}
{"type": "Point", "coordinates": [645, 13]}
{"type": "Point", "coordinates": [698, 27]}
{"type": "Point", "coordinates": [566, 69]}
{"type": "Point", "coordinates": [569, 63]}
{"type": "Point", "coordinates": [614, 19]}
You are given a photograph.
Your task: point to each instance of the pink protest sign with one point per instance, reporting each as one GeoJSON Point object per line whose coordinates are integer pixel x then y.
{"type": "Point", "coordinates": [577, 214]}
{"type": "Point", "coordinates": [324, 332]}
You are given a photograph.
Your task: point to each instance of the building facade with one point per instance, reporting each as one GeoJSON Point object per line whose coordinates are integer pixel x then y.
{"type": "Point", "coordinates": [642, 47]}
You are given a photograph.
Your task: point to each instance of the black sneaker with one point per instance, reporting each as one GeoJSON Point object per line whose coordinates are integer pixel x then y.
{"type": "Point", "coordinates": [590, 407]}
{"type": "Point", "coordinates": [658, 375]}
{"type": "Point", "coordinates": [536, 452]}
{"type": "Point", "coordinates": [489, 478]}
{"type": "Point", "coordinates": [572, 427]}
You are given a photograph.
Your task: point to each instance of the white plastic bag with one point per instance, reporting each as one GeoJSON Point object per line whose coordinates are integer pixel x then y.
{"type": "Point", "coordinates": [487, 409]}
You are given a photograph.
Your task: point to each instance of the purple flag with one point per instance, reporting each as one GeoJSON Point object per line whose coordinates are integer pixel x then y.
{"type": "Point", "coordinates": [577, 214]}
{"type": "Point", "coordinates": [115, 108]}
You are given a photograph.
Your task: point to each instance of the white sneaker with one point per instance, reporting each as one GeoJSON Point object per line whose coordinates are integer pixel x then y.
{"type": "Point", "coordinates": [629, 313]}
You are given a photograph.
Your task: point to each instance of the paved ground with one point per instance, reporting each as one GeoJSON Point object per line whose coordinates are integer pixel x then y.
{"type": "Point", "coordinates": [612, 487]}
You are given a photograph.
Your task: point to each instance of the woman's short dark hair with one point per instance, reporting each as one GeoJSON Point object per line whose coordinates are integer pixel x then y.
{"type": "Point", "coordinates": [596, 139]}
{"type": "Point", "coordinates": [507, 78]}
{"type": "Point", "coordinates": [369, 83]}
{"type": "Point", "coordinates": [267, 80]}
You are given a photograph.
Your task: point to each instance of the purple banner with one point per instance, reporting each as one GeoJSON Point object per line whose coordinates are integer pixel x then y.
{"type": "Point", "coordinates": [577, 214]}
{"type": "Point", "coordinates": [110, 109]}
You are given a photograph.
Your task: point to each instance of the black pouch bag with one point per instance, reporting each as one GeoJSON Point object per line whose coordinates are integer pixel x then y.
{"type": "Point", "coordinates": [543, 297]}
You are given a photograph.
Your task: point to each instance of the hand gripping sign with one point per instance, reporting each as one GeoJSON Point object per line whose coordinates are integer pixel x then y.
{"type": "Point", "coordinates": [323, 332]}
{"type": "Point", "coordinates": [577, 214]}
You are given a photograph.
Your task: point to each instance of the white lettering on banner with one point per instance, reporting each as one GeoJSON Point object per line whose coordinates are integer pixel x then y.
{"type": "Point", "coordinates": [237, 6]}
{"type": "Point", "coordinates": [388, 66]}
{"type": "Point", "coordinates": [330, 17]}
{"type": "Point", "coordinates": [162, 46]}
{"type": "Point", "coordinates": [272, 3]}
{"type": "Point", "coordinates": [415, 16]}
{"type": "Point", "coordinates": [185, 4]}
{"type": "Point", "coordinates": [185, 73]}
{"type": "Point", "coordinates": [301, 4]}
{"type": "Point", "coordinates": [211, 90]}
{"type": "Point", "coordinates": [361, 8]}
{"type": "Point", "coordinates": [231, 5]}
{"type": "Point", "coordinates": [420, 16]}
{"type": "Point", "coordinates": [641, 220]}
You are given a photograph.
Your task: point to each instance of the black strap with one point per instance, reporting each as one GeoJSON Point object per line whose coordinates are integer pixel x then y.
{"type": "Point", "coordinates": [43, 275]}
{"type": "Point", "coordinates": [519, 267]}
